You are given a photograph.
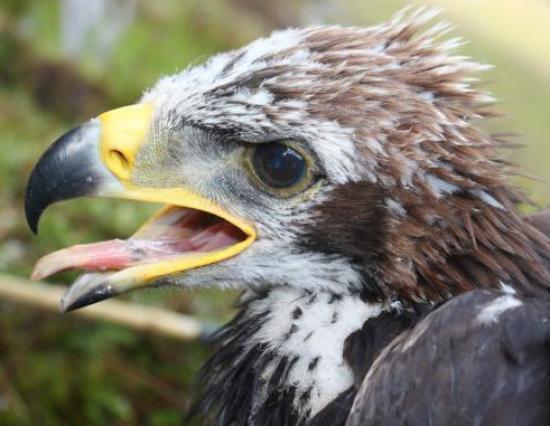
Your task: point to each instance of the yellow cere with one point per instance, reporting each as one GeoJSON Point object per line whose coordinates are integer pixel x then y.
{"type": "Point", "coordinates": [123, 131]}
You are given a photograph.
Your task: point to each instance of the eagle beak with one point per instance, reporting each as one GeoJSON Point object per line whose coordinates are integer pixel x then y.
{"type": "Point", "coordinates": [98, 159]}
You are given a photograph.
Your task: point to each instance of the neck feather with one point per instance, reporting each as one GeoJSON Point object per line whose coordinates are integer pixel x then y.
{"type": "Point", "coordinates": [283, 355]}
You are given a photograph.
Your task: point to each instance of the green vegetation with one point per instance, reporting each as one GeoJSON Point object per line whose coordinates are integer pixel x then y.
{"type": "Point", "coordinates": [58, 370]}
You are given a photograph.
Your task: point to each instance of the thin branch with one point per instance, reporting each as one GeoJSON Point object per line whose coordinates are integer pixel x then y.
{"type": "Point", "coordinates": [137, 317]}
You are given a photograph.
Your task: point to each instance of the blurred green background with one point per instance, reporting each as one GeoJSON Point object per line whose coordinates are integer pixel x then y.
{"type": "Point", "coordinates": [63, 61]}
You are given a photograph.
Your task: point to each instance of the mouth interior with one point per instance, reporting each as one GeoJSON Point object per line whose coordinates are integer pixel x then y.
{"type": "Point", "coordinates": [175, 232]}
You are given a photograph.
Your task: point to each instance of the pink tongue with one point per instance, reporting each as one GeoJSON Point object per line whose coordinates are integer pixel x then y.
{"type": "Point", "coordinates": [113, 254]}
{"type": "Point", "coordinates": [119, 254]}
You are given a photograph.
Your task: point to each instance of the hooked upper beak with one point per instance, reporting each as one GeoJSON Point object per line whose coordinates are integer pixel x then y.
{"type": "Point", "coordinates": [87, 160]}
{"type": "Point", "coordinates": [98, 159]}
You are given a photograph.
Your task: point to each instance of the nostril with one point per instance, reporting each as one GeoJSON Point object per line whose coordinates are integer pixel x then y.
{"type": "Point", "coordinates": [119, 159]}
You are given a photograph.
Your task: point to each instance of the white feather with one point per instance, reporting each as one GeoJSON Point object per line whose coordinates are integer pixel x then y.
{"type": "Point", "coordinates": [321, 330]}
{"type": "Point", "coordinates": [495, 308]}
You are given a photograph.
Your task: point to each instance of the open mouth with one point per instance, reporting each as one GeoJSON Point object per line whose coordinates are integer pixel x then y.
{"type": "Point", "coordinates": [174, 240]}
{"type": "Point", "coordinates": [174, 236]}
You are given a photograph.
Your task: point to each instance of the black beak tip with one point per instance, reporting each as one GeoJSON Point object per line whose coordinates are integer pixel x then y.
{"type": "Point", "coordinates": [97, 294]}
{"type": "Point", "coordinates": [34, 229]}
{"type": "Point", "coordinates": [32, 214]}
{"type": "Point", "coordinates": [63, 172]}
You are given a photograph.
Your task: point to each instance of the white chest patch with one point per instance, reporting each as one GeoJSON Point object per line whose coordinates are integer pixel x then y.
{"type": "Point", "coordinates": [311, 329]}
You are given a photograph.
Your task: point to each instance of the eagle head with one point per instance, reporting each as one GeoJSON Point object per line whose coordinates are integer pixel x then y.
{"type": "Point", "coordinates": [334, 159]}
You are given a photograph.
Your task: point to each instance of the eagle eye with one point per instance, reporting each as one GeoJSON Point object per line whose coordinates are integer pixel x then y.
{"type": "Point", "coordinates": [280, 168]}
{"type": "Point", "coordinates": [278, 165]}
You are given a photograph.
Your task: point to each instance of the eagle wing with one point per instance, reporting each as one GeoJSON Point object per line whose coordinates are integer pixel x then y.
{"type": "Point", "coordinates": [481, 358]}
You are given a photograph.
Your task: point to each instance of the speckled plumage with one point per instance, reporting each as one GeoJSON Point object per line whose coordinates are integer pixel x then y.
{"type": "Point", "coordinates": [340, 178]}
{"type": "Point", "coordinates": [414, 206]}
{"type": "Point", "coordinates": [393, 109]}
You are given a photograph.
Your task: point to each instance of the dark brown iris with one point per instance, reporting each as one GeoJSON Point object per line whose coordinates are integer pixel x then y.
{"type": "Point", "coordinates": [278, 165]}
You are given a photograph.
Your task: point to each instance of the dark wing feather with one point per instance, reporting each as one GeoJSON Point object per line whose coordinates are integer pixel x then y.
{"type": "Point", "coordinates": [363, 346]}
{"type": "Point", "coordinates": [481, 358]}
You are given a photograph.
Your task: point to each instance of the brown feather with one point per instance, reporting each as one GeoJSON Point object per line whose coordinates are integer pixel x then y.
{"type": "Point", "coordinates": [405, 91]}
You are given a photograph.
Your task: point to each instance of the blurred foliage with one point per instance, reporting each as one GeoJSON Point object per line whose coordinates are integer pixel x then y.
{"type": "Point", "coordinates": [57, 370]}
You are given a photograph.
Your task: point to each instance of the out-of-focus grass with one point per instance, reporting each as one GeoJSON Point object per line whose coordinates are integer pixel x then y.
{"type": "Point", "coordinates": [57, 370]}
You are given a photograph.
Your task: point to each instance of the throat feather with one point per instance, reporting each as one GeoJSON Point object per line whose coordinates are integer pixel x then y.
{"type": "Point", "coordinates": [283, 355]}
